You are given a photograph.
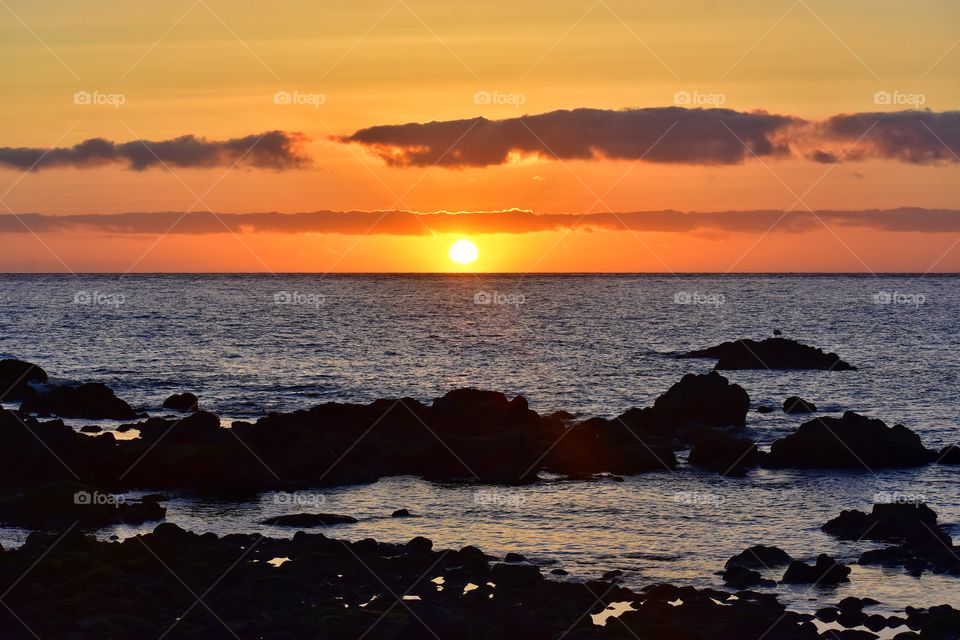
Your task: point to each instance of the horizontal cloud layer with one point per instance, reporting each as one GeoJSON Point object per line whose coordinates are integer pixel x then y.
{"type": "Point", "coordinates": [269, 150]}
{"type": "Point", "coordinates": [658, 134]}
{"type": "Point", "coordinates": [409, 223]}
{"type": "Point", "coordinates": [668, 135]}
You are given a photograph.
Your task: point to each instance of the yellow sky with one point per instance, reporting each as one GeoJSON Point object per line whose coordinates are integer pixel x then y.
{"type": "Point", "coordinates": [211, 68]}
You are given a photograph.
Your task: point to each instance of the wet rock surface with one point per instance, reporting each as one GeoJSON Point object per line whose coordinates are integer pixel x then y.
{"type": "Point", "coordinates": [772, 353]}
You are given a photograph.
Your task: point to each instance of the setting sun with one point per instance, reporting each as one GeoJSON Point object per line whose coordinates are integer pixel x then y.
{"type": "Point", "coordinates": [463, 252]}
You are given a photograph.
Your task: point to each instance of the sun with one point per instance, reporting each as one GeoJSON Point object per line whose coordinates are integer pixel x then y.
{"type": "Point", "coordinates": [464, 252]}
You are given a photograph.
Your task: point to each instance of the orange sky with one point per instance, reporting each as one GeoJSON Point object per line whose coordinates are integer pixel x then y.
{"type": "Point", "coordinates": [212, 68]}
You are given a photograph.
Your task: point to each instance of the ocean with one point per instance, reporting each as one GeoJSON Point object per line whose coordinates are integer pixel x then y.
{"type": "Point", "coordinates": [593, 345]}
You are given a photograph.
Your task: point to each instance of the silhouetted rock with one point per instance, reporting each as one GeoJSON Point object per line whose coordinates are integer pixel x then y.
{"type": "Point", "coordinates": [826, 571]}
{"type": "Point", "coordinates": [61, 505]}
{"type": "Point", "coordinates": [851, 442]}
{"type": "Point", "coordinates": [742, 578]}
{"type": "Point", "coordinates": [514, 557]}
{"type": "Point", "coordinates": [764, 409]}
{"type": "Point", "coordinates": [915, 523]}
{"type": "Point", "coordinates": [16, 377]}
{"type": "Point", "coordinates": [91, 400]}
{"type": "Point", "coordinates": [760, 557]}
{"type": "Point", "coordinates": [772, 353]}
{"type": "Point", "coordinates": [796, 404]}
{"type": "Point", "coordinates": [308, 520]}
{"type": "Point", "coordinates": [401, 513]}
{"type": "Point", "coordinates": [724, 454]}
{"type": "Point", "coordinates": [91, 428]}
{"type": "Point", "coordinates": [182, 402]}
{"type": "Point", "coordinates": [949, 455]}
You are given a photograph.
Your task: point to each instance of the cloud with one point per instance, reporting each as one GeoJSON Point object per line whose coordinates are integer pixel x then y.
{"type": "Point", "coordinates": [269, 150]}
{"type": "Point", "coordinates": [656, 134]}
{"type": "Point", "coordinates": [915, 137]}
{"type": "Point", "coordinates": [408, 223]}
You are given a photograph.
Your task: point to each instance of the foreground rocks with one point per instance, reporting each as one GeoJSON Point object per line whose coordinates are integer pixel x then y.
{"type": "Point", "coordinates": [182, 402]}
{"type": "Point", "coordinates": [63, 505]}
{"type": "Point", "coordinates": [912, 523]}
{"type": "Point", "coordinates": [772, 353]}
{"type": "Point", "coordinates": [825, 571]}
{"type": "Point", "coordinates": [466, 435]}
{"type": "Point", "coordinates": [851, 442]}
{"type": "Point", "coordinates": [91, 400]}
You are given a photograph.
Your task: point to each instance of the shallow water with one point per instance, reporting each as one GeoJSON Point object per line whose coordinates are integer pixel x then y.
{"type": "Point", "coordinates": [594, 345]}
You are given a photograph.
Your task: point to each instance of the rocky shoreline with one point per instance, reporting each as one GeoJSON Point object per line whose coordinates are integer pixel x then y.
{"type": "Point", "coordinates": [62, 583]}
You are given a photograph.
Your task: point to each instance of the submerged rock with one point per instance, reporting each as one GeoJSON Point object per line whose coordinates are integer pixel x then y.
{"type": "Point", "coordinates": [182, 402]}
{"type": "Point", "coordinates": [851, 442]}
{"type": "Point", "coordinates": [914, 523]}
{"type": "Point", "coordinates": [772, 353]}
{"type": "Point", "coordinates": [16, 378]}
{"type": "Point", "coordinates": [92, 400]}
{"type": "Point", "coordinates": [309, 520]}
{"type": "Point", "coordinates": [401, 513]}
{"type": "Point", "coordinates": [825, 571]}
{"type": "Point", "coordinates": [796, 404]}
{"type": "Point", "coordinates": [760, 557]}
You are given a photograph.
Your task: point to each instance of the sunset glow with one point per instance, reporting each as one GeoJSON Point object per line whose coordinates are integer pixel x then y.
{"type": "Point", "coordinates": [463, 252]}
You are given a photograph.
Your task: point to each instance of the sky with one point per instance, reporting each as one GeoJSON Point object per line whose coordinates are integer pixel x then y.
{"type": "Point", "coordinates": [597, 135]}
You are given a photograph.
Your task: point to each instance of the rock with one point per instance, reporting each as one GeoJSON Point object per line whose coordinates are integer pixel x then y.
{"type": "Point", "coordinates": [826, 571]}
{"type": "Point", "coordinates": [949, 455]}
{"type": "Point", "coordinates": [91, 428]}
{"type": "Point", "coordinates": [764, 409]}
{"type": "Point", "coordinates": [856, 604]}
{"type": "Point", "coordinates": [16, 378]}
{"type": "Point", "coordinates": [559, 572]}
{"type": "Point", "coordinates": [772, 353]}
{"type": "Point", "coordinates": [92, 400]}
{"type": "Point", "coordinates": [742, 578]}
{"type": "Point", "coordinates": [796, 404]}
{"type": "Point", "coordinates": [708, 400]}
{"type": "Point", "coordinates": [612, 575]}
{"type": "Point", "coordinates": [725, 454]}
{"type": "Point", "coordinates": [182, 402]}
{"type": "Point", "coordinates": [760, 557]}
{"type": "Point", "coordinates": [851, 442]}
{"type": "Point", "coordinates": [419, 545]}
{"type": "Point", "coordinates": [309, 520]}
{"type": "Point", "coordinates": [514, 557]}
{"type": "Point", "coordinates": [914, 523]}
{"type": "Point", "coordinates": [401, 513]}
{"type": "Point", "coordinates": [507, 576]}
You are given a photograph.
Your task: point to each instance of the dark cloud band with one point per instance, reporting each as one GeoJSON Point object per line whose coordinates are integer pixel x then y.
{"type": "Point", "coordinates": [407, 223]}
{"type": "Point", "coordinates": [269, 150]}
